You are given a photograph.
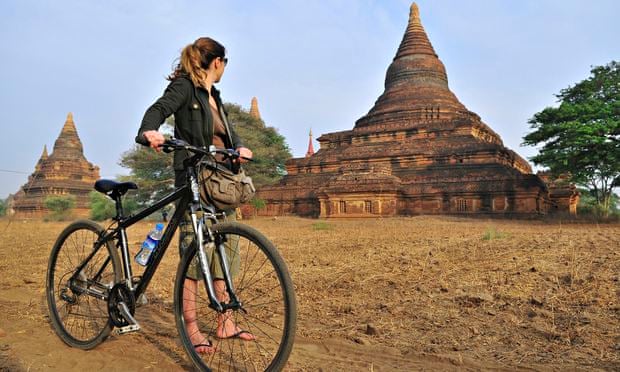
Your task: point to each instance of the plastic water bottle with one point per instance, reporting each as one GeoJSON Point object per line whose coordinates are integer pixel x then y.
{"type": "Point", "coordinates": [149, 245]}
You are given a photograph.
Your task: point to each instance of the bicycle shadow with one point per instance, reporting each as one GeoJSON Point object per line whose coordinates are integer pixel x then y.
{"type": "Point", "coordinates": [158, 330]}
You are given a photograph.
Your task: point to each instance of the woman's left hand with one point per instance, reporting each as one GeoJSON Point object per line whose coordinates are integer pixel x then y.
{"type": "Point", "coordinates": [244, 152]}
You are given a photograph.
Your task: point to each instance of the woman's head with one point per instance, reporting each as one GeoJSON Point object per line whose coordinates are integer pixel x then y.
{"type": "Point", "coordinates": [205, 56]}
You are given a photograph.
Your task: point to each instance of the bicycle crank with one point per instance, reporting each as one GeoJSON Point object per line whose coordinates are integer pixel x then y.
{"type": "Point", "coordinates": [121, 307]}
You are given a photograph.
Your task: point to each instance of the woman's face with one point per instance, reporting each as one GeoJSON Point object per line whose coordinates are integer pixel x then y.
{"type": "Point", "coordinates": [219, 64]}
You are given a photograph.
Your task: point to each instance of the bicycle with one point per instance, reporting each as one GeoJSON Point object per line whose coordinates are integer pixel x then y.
{"type": "Point", "coordinates": [90, 289]}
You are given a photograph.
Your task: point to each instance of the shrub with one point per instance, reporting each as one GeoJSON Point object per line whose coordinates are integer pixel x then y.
{"type": "Point", "coordinates": [321, 226]}
{"type": "Point", "coordinates": [60, 207]}
{"type": "Point", "coordinates": [491, 233]}
{"type": "Point", "coordinates": [101, 207]}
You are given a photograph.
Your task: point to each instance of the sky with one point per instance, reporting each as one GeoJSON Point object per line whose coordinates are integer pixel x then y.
{"type": "Point", "coordinates": [313, 64]}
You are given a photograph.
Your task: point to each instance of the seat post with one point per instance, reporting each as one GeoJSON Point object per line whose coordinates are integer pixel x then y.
{"type": "Point", "coordinates": [119, 207]}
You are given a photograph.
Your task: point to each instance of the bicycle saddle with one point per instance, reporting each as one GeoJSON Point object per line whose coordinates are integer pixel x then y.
{"type": "Point", "coordinates": [113, 188]}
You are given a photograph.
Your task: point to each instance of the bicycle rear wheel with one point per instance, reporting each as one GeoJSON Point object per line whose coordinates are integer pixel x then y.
{"type": "Point", "coordinates": [78, 308]}
{"type": "Point", "coordinates": [264, 287]}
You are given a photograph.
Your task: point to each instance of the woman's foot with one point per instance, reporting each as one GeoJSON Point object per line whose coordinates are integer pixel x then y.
{"type": "Point", "coordinates": [200, 342]}
{"type": "Point", "coordinates": [226, 328]}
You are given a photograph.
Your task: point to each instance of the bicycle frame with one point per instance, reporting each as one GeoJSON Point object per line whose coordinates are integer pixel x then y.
{"type": "Point", "coordinates": [189, 200]}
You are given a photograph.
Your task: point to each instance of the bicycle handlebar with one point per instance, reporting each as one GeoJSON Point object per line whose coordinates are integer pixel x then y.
{"type": "Point", "coordinates": [174, 144]}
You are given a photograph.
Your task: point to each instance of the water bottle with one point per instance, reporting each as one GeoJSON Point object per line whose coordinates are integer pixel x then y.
{"type": "Point", "coordinates": [149, 245]}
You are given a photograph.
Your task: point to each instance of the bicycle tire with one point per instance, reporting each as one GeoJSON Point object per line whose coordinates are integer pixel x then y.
{"type": "Point", "coordinates": [265, 288]}
{"type": "Point", "coordinates": [69, 309]}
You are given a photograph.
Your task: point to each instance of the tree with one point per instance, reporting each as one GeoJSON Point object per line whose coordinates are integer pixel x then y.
{"type": "Point", "coordinates": [153, 172]}
{"type": "Point", "coordinates": [588, 205]}
{"type": "Point", "coordinates": [581, 137]}
{"type": "Point", "coordinates": [60, 206]}
{"type": "Point", "coordinates": [2, 207]}
{"type": "Point", "coordinates": [268, 146]}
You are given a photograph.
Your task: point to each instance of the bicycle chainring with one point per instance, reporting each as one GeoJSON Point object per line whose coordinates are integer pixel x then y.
{"type": "Point", "coordinates": [120, 293]}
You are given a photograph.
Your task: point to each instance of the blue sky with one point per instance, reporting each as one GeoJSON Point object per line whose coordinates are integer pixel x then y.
{"type": "Point", "coordinates": [312, 64]}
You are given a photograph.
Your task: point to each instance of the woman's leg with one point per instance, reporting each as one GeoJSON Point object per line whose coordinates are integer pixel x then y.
{"type": "Point", "coordinates": [200, 342]}
{"type": "Point", "coordinates": [190, 286]}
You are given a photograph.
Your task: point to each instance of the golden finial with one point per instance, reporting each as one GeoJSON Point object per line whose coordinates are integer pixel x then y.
{"type": "Point", "coordinates": [414, 13]}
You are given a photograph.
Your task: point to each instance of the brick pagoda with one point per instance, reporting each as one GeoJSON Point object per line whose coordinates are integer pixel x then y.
{"type": "Point", "coordinates": [64, 172]}
{"type": "Point", "coordinates": [417, 151]}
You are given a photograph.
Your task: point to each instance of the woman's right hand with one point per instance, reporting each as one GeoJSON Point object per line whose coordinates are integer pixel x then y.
{"type": "Point", "coordinates": [155, 139]}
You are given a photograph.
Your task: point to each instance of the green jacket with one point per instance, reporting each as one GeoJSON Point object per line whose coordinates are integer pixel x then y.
{"type": "Point", "coordinates": [192, 117]}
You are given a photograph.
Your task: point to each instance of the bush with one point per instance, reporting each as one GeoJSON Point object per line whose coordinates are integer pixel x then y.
{"type": "Point", "coordinates": [60, 207]}
{"type": "Point", "coordinates": [321, 225]}
{"type": "Point", "coordinates": [101, 207]}
{"type": "Point", "coordinates": [491, 233]}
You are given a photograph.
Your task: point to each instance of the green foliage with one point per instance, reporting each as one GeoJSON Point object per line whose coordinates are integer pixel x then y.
{"type": "Point", "coordinates": [101, 207]}
{"type": "Point", "coordinates": [581, 137]}
{"type": "Point", "coordinates": [258, 203]}
{"type": "Point", "coordinates": [491, 233]}
{"type": "Point", "coordinates": [60, 207]}
{"type": "Point", "coordinates": [153, 173]}
{"type": "Point", "coordinates": [2, 207]}
{"type": "Point", "coordinates": [268, 146]}
{"type": "Point", "coordinates": [321, 225]}
{"type": "Point", "coordinates": [588, 205]}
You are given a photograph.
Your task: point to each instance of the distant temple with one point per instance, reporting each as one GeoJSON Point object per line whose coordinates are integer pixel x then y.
{"type": "Point", "coordinates": [417, 151]}
{"type": "Point", "coordinates": [254, 109]}
{"type": "Point", "coordinates": [64, 172]}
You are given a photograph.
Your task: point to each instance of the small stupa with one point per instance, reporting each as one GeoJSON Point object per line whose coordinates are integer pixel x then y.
{"type": "Point", "coordinates": [254, 108]}
{"type": "Point", "coordinates": [63, 172]}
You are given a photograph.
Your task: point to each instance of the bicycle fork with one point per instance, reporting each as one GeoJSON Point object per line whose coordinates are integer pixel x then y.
{"type": "Point", "coordinates": [199, 227]}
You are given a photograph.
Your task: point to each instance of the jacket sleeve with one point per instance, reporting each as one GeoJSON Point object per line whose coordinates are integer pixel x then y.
{"type": "Point", "coordinates": [175, 95]}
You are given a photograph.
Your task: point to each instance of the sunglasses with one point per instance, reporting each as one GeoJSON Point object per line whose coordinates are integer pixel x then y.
{"type": "Point", "coordinates": [225, 60]}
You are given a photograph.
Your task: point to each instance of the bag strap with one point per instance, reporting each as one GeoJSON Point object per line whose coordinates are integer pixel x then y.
{"type": "Point", "coordinates": [225, 121]}
{"type": "Point", "coordinates": [236, 169]}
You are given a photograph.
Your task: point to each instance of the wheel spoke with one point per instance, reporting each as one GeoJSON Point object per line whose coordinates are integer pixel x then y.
{"type": "Point", "coordinates": [81, 319]}
{"type": "Point", "coordinates": [266, 296]}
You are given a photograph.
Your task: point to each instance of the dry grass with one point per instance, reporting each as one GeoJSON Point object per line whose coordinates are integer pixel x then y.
{"type": "Point", "coordinates": [517, 293]}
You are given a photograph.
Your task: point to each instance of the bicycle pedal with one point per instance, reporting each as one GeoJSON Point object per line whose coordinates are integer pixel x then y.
{"type": "Point", "coordinates": [127, 329]}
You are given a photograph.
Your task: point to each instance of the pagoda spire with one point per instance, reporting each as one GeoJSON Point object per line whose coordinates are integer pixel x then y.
{"type": "Point", "coordinates": [310, 151]}
{"type": "Point", "coordinates": [254, 109]}
{"type": "Point", "coordinates": [415, 40]}
{"type": "Point", "coordinates": [44, 154]}
{"type": "Point", "coordinates": [416, 83]}
{"type": "Point", "coordinates": [42, 159]}
{"type": "Point", "coordinates": [68, 144]}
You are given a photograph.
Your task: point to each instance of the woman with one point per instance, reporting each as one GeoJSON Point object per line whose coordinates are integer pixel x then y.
{"type": "Point", "coordinates": [200, 119]}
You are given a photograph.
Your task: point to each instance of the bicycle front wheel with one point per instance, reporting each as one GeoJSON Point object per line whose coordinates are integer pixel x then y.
{"type": "Point", "coordinates": [267, 317]}
{"type": "Point", "coordinates": [78, 303]}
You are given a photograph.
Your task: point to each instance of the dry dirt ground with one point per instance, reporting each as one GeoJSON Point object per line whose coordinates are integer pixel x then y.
{"type": "Point", "coordinates": [420, 293]}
